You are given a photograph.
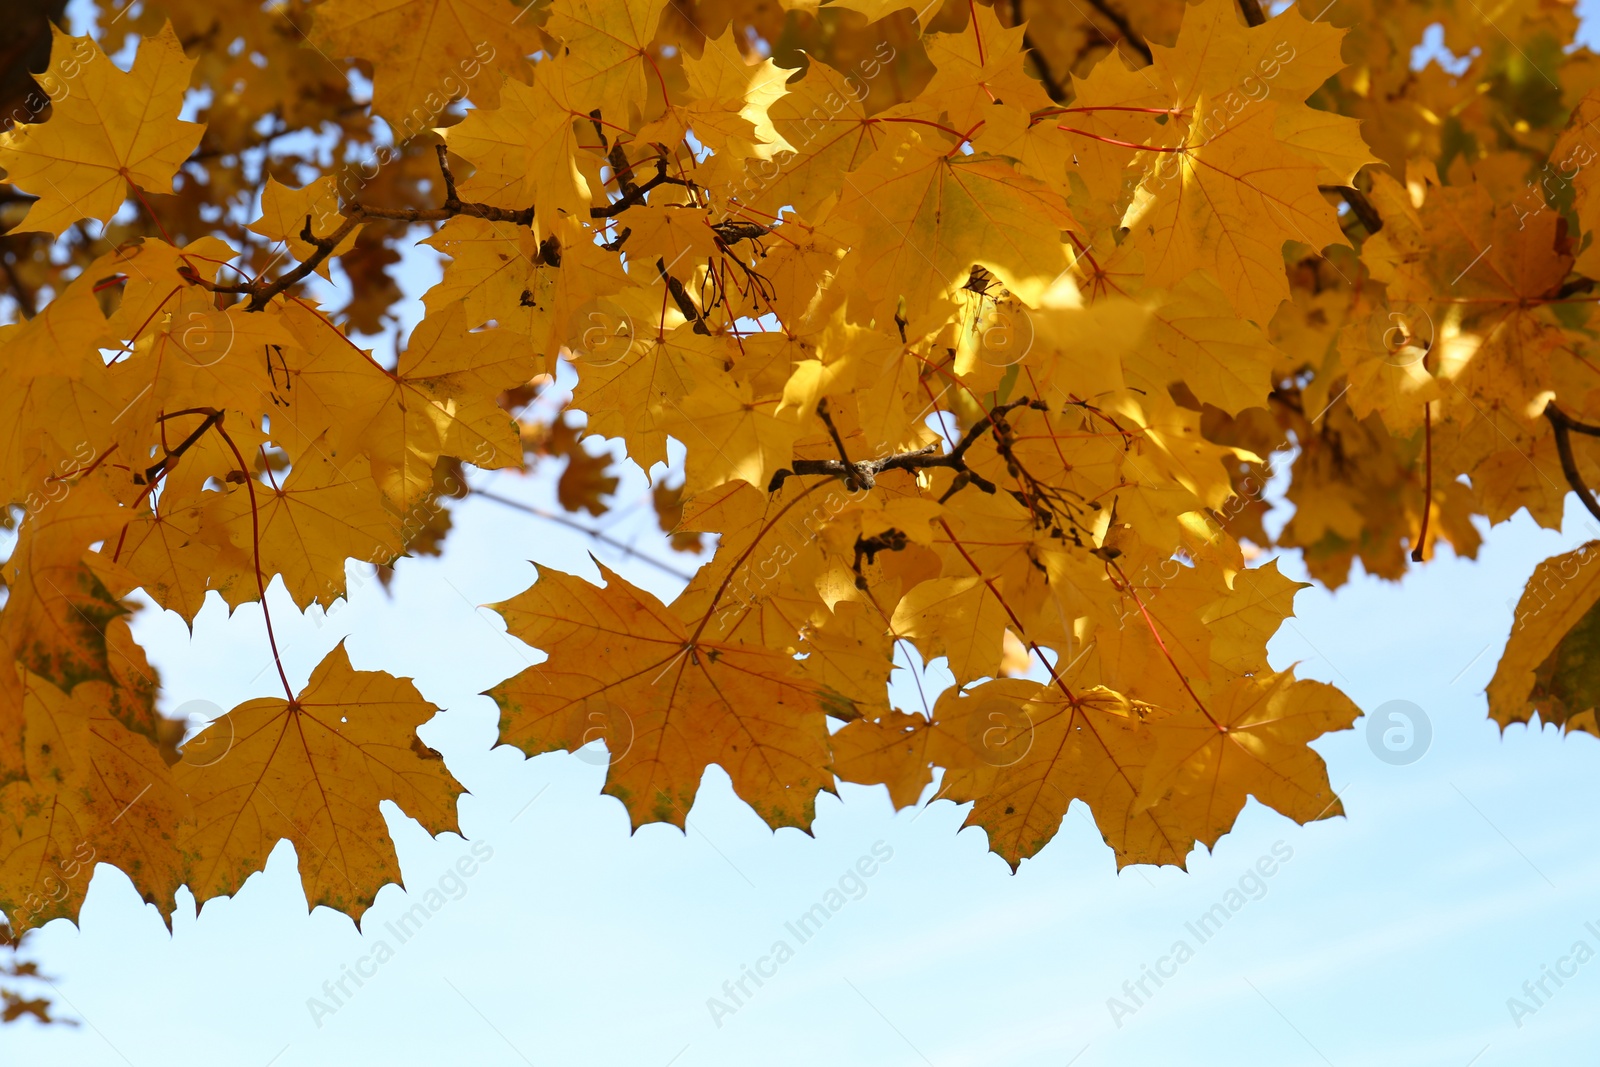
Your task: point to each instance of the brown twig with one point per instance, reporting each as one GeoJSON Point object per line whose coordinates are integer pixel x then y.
{"type": "Point", "coordinates": [573, 524]}
{"type": "Point", "coordinates": [921, 459]}
{"type": "Point", "coordinates": [680, 296]}
{"type": "Point", "coordinates": [634, 193]}
{"type": "Point", "coordinates": [1120, 21]}
{"type": "Point", "coordinates": [261, 292]}
{"type": "Point", "coordinates": [857, 478]}
{"type": "Point", "coordinates": [1420, 547]}
{"type": "Point", "coordinates": [166, 462]}
{"type": "Point", "coordinates": [1360, 206]}
{"type": "Point", "coordinates": [1052, 84]}
{"type": "Point", "coordinates": [1564, 425]}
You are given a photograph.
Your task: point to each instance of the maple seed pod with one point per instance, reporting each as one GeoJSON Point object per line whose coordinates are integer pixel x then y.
{"type": "Point", "coordinates": [213, 738]}
{"type": "Point", "coordinates": [1399, 733]}
{"type": "Point", "coordinates": [1000, 732]}
{"type": "Point", "coordinates": [602, 732]}
{"type": "Point", "coordinates": [601, 335]}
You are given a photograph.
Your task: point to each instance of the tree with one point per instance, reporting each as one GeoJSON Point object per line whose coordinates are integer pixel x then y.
{"type": "Point", "coordinates": [981, 331]}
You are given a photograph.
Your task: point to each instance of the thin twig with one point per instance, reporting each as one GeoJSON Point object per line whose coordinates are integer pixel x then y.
{"type": "Point", "coordinates": [1418, 549]}
{"type": "Point", "coordinates": [1562, 424]}
{"type": "Point", "coordinates": [680, 296]}
{"type": "Point", "coordinates": [1120, 21]}
{"type": "Point", "coordinates": [921, 459]}
{"type": "Point", "coordinates": [858, 478]}
{"type": "Point", "coordinates": [261, 292]}
{"type": "Point", "coordinates": [573, 524]}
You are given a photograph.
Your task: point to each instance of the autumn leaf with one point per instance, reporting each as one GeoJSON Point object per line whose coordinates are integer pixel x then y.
{"type": "Point", "coordinates": [286, 214]}
{"type": "Point", "coordinates": [823, 120]}
{"type": "Point", "coordinates": [999, 346]}
{"type": "Point", "coordinates": [925, 217]}
{"type": "Point", "coordinates": [1544, 669]}
{"type": "Point", "coordinates": [313, 771]}
{"type": "Point", "coordinates": [427, 52]}
{"type": "Point", "coordinates": [323, 513]}
{"type": "Point", "coordinates": [1244, 185]}
{"type": "Point", "coordinates": [1031, 751]}
{"type": "Point", "coordinates": [1250, 741]}
{"type": "Point", "coordinates": [668, 702]}
{"type": "Point", "coordinates": [611, 66]}
{"type": "Point", "coordinates": [729, 102]}
{"type": "Point", "coordinates": [112, 129]}
{"type": "Point", "coordinates": [890, 750]}
{"type": "Point", "coordinates": [57, 608]}
{"type": "Point", "coordinates": [526, 150]}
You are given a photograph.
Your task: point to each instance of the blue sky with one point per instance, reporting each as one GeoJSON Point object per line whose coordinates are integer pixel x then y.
{"type": "Point", "coordinates": [1393, 936]}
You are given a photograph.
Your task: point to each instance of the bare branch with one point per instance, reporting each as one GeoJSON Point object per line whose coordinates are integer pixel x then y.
{"type": "Point", "coordinates": [1360, 206]}
{"type": "Point", "coordinates": [572, 524]}
{"type": "Point", "coordinates": [1120, 21]}
{"type": "Point", "coordinates": [864, 471]}
{"type": "Point", "coordinates": [680, 296]}
{"type": "Point", "coordinates": [1563, 425]}
{"type": "Point", "coordinates": [261, 292]}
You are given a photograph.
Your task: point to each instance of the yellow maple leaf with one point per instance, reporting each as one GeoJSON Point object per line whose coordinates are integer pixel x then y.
{"type": "Point", "coordinates": [1024, 752]}
{"type": "Point", "coordinates": [1225, 360]}
{"type": "Point", "coordinates": [1250, 741]}
{"type": "Point", "coordinates": [1547, 667]}
{"type": "Point", "coordinates": [112, 787]}
{"type": "Point", "coordinates": [324, 512]}
{"type": "Point", "coordinates": [286, 213]}
{"type": "Point", "coordinates": [735, 434]}
{"type": "Point", "coordinates": [728, 103]}
{"type": "Point", "coordinates": [608, 47]}
{"type": "Point", "coordinates": [313, 771]}
{"type": "Point", "coordinates": [823, 121]}
{"type": "Point", "coordinates": [426, 53]}
{"type": "Point", "coordinates": [980, 81]}
{"type": "Point", "coordinates": [890, 750]}
{"type": "Point", "coordinates": [926, 217]}
{"type": "Point", "coordinates": [667, 700]}
{"type": "Point", "coordinates": [57, 609]}
{"type": "Point", "coordinates": [1233, 199]}
{"type": "Point", "coordinates": [957, 617]}
{"type": "Point", "coordinates": [525, 151]}
{"type": "Point", "coordinates": [112, 130]}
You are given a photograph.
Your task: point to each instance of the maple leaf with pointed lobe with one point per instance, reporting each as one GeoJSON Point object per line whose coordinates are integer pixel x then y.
{"type": "Point", "coordinates": [314, 770]}
{"type": "Point", "coordinates": [667, 700]}
{"type": "Point", "coordinates": [108, 130]}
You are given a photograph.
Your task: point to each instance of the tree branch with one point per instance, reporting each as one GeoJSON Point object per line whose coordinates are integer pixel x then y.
{"type": "Point", "coordinates": [865, 471]}
{"type": "Point", "coordinates": [680, 296]}
{"type": "Point", "coordinates": [260, 292]}
{"type": "Point", "coordinates": [1120, 21]}
{"type": "Point", "coordinates": [857, 479]}
{"type": "Point", "coordinates": [168, 461]}
{"type": "Point", "coordinates": [633, 193]}
{"type": "Point", "coordinates": [1360, 206]}
{"type": "Point", "coordinates": [1052, 84]}
{"type": "Point", "coordinates": [572, 524]}
{"type": "Point", "coordinates": [1562, 424]}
